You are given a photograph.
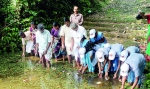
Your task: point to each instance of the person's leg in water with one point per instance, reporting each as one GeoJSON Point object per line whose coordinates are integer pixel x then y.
{"type": "Point", "coordinates": [48, 64]}
{"type": "Point", "coordinates": [100, 69]}
{"type": "Point", "coordinates": [107, 68]}
{"type": "Point", "coordinates": [84, 68]}
{"type": "Point", "coordinates": [41, 58]}
{"type": "Point", "coordinates": [47, 60]}
{"type": "Point", "coordinates": [80, 69]}
{"type": "Point", "coordinates": [77, 62]}
{"type": "Point", "coordinates": [69, 58]}
{"type": "Point", "coordinates": [130, 78]}
{"type": "Point", "coordinates": [63, 52]}
{"type": "Point", "coordinates": [56, 59]}
{"type": "Point", "coordinates": [69, 54]}
{"type": "Point", "coordinates": [63, 58]}
{"type": "Point", "coordinates": [78, 65]}
{"type": "Point", "coordinates": [43, 61]}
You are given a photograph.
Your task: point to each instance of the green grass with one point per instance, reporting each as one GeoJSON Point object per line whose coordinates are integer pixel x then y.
{"type": "Point", "coordinates": [100, 28]}
{"type": "Point", "coordinates": [128, 43]}
{"type": "Point", "coordinates": [114, 20]}
{"type": "Point", "coordinates": [24, 74]}
{"type": "Point", "coordinates": [10, 65]}
{"type": "Point", "coordinates": [99, 24]}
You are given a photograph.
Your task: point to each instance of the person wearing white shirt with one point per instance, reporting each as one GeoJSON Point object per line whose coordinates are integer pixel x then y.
{"type": "Point", "coordinates": [75, 32]}
{"type": "Point", "coordinates": [27, 42]}
{"type": "Point", "coordinates": [43, 45]}
{"type": "Point", "coordinates": [66, 38]}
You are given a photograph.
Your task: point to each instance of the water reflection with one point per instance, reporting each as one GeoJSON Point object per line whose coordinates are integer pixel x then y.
{"type": "Point", "coordinates": [77, 77]}
{"type": "Point", "coordinates": [96, 82]}
{"type": "Point", "coordinates": [64, 77]}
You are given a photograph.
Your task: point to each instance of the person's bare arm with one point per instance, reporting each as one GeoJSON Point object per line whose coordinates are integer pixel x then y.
{"type": "Point", "coordinates": [23, 50]}
{"type": "Point", "coordinates": [109, 65]}
{"type": "Point", "coordinates": [63, 42]}
{"type": "Point", "coordinates": [70, 18]}
{"type": "Point", "coordinates": [23, 47]}
{"type": "Point", "coordinates": [102, 40]}
{"type": "Point", "coordinates": [37, 48]}
{"type": "Point", "coordinates": [53, 39]}
{"type": "Point", "coordinates": [99, 67]}
{"type": "Point", "coordinates": [80, 69]}
{"type": "Point", "coordinates": [47, 47]}
{"type": "Point", "coordinates": [81, 20]}
{"type": "Point", "coordinates": [72, 43]}
{"type": "Point", "coordinates": [84, 68]}
{"type": "Point", "coordinates": [105, 61]}
{"type": "Point", "coordinates": [135, 82]}
{"type": "Point", "coordinates": [119, 63]}
{"type": "Point", "coordinates": [123, 81]}
{"type": "Point", "coordinates": [144, 16]}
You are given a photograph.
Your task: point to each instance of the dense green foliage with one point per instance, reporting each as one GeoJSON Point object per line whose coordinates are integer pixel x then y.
{"type": "Point", "coordinates": [147, 73]}
{"type": "Point", "coordinates": [17, 14]}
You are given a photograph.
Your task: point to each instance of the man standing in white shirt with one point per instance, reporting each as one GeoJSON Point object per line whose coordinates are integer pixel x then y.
{"type": "Point", "coordinates": [66, 38]}
{"type": "Point", "coordinates": [43, 45]}
{"type": "Point", "coordinates": [76, 31]}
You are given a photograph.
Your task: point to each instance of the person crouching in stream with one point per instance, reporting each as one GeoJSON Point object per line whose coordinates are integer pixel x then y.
{"type": "Point", "coordinates": [82, 55]}
{"type": "Point", "coordinates": [98, 39]}
{"type": "Point", "coordinates": [114, 55]}
{"type": "Point", "coordinates": [104, 63]}
{"type": "Point", "coordinates": [27, 42]}
{"type": "Point", "coordinates": [87, 53]}
{"type": "Point", "coordinates": [132, 70]}
{"type": "Point", "coordinates": [124, 55]}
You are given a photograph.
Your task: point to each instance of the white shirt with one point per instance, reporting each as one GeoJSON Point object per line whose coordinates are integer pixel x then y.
{"type": "Point", "coordinates": [43, 39]}
{"type": "Point", "coordinates": [81, 30]}
{"type": "Point", "coordinates": [28, 37]}
{"type": "Point", "coordinates": [66, 31]}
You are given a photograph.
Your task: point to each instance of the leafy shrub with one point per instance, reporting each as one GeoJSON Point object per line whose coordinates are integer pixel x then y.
{"type": "Point", "coordinates": [146, 83]}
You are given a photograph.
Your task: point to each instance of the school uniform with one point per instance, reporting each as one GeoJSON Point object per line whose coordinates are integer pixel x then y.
{"type": "Point", "coordinates": [114, 55]}
{"type": "Point", "coordinates": [133, 49]}
{"type": "Point", "coordinates": [101, 55]}
{"type": "Point", "coordinates": [136, 64]}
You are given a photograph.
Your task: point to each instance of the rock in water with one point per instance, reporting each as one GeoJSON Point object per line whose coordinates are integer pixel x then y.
{"type": "Point", "coordinates": [98, 82]}
{"type": "Point", "coordinates": [118, 36]}
{"type": "Point", "coordinates": [124, 31]}
{"type": "Point", "coordinates": [134, 39]}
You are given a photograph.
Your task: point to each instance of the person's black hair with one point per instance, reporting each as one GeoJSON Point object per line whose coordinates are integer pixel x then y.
{"type": "Point", "coordinates": [66, 19]}
{"type": "Point", "coordinates": [40, 26]}
{"type": "Point", "coordinates": [21, 33]}
{"type": "Point", "coordinates": [55, 24]}
{"type": "Point", "coordinates": [83, 38]}
{"type": "Point", "coordinates": [138, 17]}
{"type": "Point", "coordinates": [95, 35]}
{"type": "Point", "coordinates": [32, 23]}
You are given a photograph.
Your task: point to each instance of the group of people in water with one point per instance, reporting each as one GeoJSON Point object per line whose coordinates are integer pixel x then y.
{"type": "Point", "coordinates": [95, 53]}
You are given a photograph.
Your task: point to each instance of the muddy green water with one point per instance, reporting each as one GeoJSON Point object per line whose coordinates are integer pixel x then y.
{"type": "Point", "coordinates": [61, 76]}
